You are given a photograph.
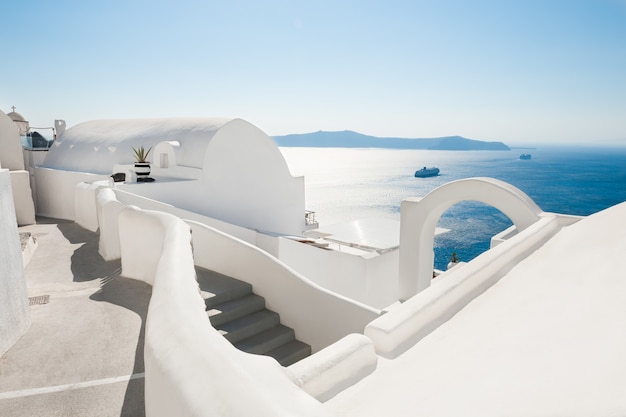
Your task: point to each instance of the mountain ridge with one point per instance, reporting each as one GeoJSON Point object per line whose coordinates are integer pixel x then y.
{"type": "Point", "coordinates": [352, 139]}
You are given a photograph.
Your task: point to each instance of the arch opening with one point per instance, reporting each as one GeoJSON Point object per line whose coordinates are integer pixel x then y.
{"type": "Point", "coordinates": [420, 216]}
{"type": "Point", "coordinates": [470, 225]}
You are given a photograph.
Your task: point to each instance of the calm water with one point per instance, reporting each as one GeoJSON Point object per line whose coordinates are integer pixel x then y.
{"type": "Point", "coordinates": [347, 184]}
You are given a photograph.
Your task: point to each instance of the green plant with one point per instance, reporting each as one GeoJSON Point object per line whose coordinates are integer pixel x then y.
{"type": "Point", "coordinates": [140, 153]}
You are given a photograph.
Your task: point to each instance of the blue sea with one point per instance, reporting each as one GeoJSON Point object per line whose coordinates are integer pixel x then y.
{"type": "Point", "coordinates": [344, 184]}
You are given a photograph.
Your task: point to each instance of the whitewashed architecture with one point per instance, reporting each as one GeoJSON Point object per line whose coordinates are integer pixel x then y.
{"type": "Point", "coordinates": [11, 158]}
{"type": "Point", "coordinates": [517, 331]}
{"type": "Point", "coordinates": [233, 170]}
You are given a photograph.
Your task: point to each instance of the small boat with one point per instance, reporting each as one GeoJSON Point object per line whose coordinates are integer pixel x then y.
{"type": "Point", "coordinates": [427, 172]}
{"type": "Point", "coordinates": [525, 156]}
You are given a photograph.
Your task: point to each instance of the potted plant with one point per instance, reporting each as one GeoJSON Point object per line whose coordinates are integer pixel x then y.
{"type": "Point", "coordinates": [454, 260]}
{"type": "Point", "coordinates": [142, 166]}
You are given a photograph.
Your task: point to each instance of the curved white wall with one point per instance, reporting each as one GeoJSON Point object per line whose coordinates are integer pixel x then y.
{"type": "Point", "coordinates": [108, 210]}
{"type": "Point", "coordinates": [243, 177]}
{"type": "Point", "coordinates": [335, 367]}
{"type": "Point", "coordinates": [96, 146]}
{"type": "Point", "coordinates": [318, 316]}
{"type": "Point", "coordinates": [247, 182]}
{"type": "Point", "coordinates": [128, 198]}
{"type": "Point", "coordinates": [406, 324]}
{"type": "Point", "coordinates": [294, 297]}
{"type": "Point", "coordinates": [191, 369]}
{"type": "Point", "coordinates": [371, 278]}
{"type": "Point", "coordinates": [419, 217]}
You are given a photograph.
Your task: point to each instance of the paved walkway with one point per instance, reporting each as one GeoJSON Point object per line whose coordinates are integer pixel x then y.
{"type": "Point", "coordinates": [83, 354]}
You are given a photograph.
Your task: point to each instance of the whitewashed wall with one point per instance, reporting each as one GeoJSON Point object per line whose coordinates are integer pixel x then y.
{"type": "Point", "coordinates": [371, 279]}
{"type": "Point", "coordinates": [319, 316]}
{"type": "Point", "coordinates": [22, 197]}
{"type": "Point", "coordinates": [108, 211]}
{"type": "Point", "coordinates": [11, 158]}
{"type": "Point", "coordinates": [290, 294]}
{"type": "Point", "coordinates": [412, 320]}
{"type": "Point", "coordinates": [10, 147]}
{"type": "Point", "coordinates": [56, 190]}
{"type": "Point", "coordinates": [192, 370]}
{"type": "Point", "coordinates": [14, 313]}
{"type": "Point", "coordinates": [250, 184]}
{"type": "Point", "coordinates": [245, 182]}
{"type": "Point", "coordinates": [244, 177]}
{"type": "Point", "coordinates": [128, 198]}
{"type": "Point", "coordinates": [419, 217]}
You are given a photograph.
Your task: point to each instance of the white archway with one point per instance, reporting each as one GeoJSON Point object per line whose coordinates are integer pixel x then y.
{"type": "Point", "coordinates": [419, 217]}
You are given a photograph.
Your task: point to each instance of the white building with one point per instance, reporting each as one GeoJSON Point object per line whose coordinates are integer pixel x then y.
{"type": "Point", "coordinates": [520, 330]}
{"type": "Point", "coordinates": [11, 158]}
{"type": "Point", "coordinates": [234, 171]}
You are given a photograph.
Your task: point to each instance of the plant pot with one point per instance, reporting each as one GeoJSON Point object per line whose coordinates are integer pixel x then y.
{"type": "Point", "coordinates": [142, 169]}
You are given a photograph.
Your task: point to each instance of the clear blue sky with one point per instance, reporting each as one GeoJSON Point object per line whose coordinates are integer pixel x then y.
{"type": "Point", "coordinates": [527, 71]}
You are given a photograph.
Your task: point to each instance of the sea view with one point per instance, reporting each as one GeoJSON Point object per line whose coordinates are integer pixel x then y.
{"type": "Point", "coordinates": [346, 184]}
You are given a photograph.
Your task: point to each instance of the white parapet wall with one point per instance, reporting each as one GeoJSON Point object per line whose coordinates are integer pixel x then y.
{"type": "Point", "coordinates": [409, 322]}
{"type": "Point", "coordinates": [191, 369]}
{"type": "Point", "coordinates": [85, 211]}
{"type": "Point", "coordinates": [128, 198]}
{"type": "Point", "coordinates": [56, 191]}
{"type": "Point", "coordinates": [311, 310]}
{"type": "Point", "coordinates": [370, 278]}
{"type": "Point", "coordinates": [419, 218]}
{"type": "Point", "coordinates": [335, 367]}
{"type": "Point", "coordinates": [319, 316]}
{"type": "Point", "coordinates": [14, 313]}
{"type": "Point", "coordinates": [22, 197]}
{"type": "Point", "coordinates": [108, 209]}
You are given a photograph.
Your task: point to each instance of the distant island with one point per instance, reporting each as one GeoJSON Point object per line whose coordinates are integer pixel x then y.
{"type": "Point", "coordinates": [350, 139]}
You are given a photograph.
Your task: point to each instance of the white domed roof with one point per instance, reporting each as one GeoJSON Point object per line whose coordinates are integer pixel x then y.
{"type": "Point", "coordinates": [16, 117]}
{"type": "Point", "coordinates": [96, 146]}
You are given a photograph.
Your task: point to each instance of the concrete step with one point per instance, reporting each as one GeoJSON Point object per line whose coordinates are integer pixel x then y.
{"type": "Point", "coordinates": [217, 288]}
{"type": "Point", "coordinates": [290, 353]}
{"type": "Point", "coordinates": [267, 340]}
{"type": "Point", "coordinates": [232, 310]}
{"type": "Point", "coordinates": [247, 326]}
{"type": "Point", "coordinates": [241, 317]}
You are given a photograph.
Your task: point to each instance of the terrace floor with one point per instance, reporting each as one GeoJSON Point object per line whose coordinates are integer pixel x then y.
{"type": "Point", "coordinates": [83, 353]}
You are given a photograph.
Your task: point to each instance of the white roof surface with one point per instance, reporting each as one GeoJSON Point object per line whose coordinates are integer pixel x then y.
{"type": "Point", "coordinates": [97, 145]}
{"type": "Point", "coordinates": [548, 339]}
